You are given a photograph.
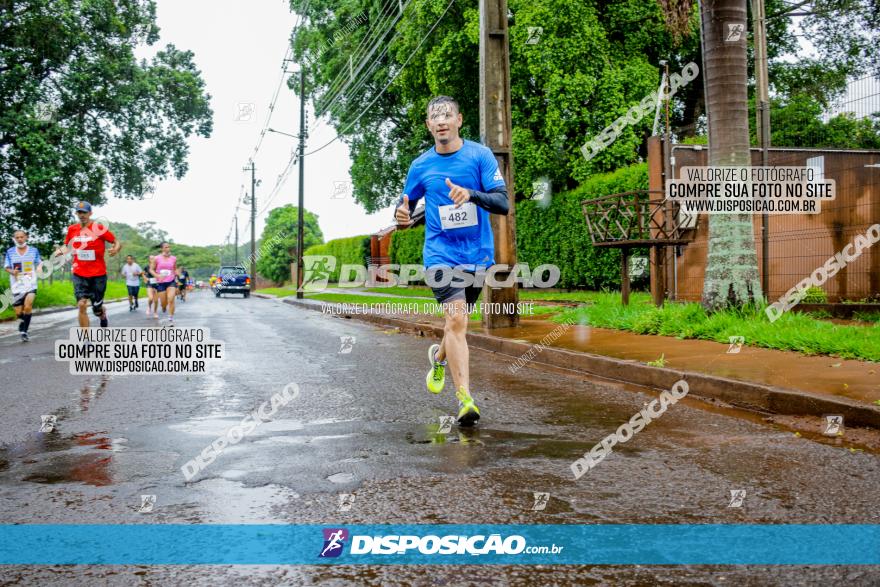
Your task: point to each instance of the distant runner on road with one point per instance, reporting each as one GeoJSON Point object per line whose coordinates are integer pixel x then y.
{"type": "Point", "coordinates": [182, 278]}
{"type": "Point", "coordinates": [132, 272]}
{"type": "Point", "coordinates": [152, 295]}
{"type": "Point", "coordinates": [88, 240]}
{"type": "Point", "coordinates": [164, 267]}
{"type": "Point", "coordinates": [462, 184]}
{"type": "Point", "coordinates": [22, 263]}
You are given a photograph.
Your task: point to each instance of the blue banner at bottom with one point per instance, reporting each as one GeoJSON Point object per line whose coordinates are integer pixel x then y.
{"type": "Point", "coordinates": [667, 544]}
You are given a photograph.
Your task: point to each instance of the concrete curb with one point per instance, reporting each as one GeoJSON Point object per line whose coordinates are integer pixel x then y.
{"type": "Point", "coordinates": [742, 394]}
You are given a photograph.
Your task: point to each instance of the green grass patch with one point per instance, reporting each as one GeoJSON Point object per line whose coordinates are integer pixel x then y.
{"type": "Point", "coordinates": [60, 293]}
{"type": "Point", "coordinates": [412, 291]}
{"type": "Point", "coordinates": [415, 305]}
{"type": "Point", "coordinates": [867, 316]}
{"type": "Point", "coordinates": [278, 292]}
{"type": "Point", "coordinates": [586, 297]}
{"type": "Point", "coordinates": [791, 332]}
{"type": "Point", "coordinates": [526, 295]}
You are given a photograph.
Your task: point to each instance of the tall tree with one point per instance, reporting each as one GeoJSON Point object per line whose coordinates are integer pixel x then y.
{"type": "Point", "coordinates": [732, 265]}
{"type": "Point", "coordinates": [278, 243]}
{"type": "Point", "coordinates": [81, 116]}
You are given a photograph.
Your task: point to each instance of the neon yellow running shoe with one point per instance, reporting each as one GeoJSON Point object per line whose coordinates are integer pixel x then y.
{"type": "Point", "coordinates": [468, 412]}
{"type": "Point", "coordinates": [436, 378]}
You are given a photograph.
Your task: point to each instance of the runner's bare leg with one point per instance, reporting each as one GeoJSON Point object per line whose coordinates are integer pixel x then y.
{"type": "Point", "coordinates": [454, 344]}
{"type": "Point", "coordinates": [82, 317]}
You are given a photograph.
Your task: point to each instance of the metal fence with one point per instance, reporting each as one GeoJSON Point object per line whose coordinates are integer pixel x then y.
{"type": "Point", "coordinates": [799, 243]}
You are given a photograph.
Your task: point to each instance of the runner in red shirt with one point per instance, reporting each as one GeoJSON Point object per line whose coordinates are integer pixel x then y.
{"type": "Point", "coordinates": [87, 240]}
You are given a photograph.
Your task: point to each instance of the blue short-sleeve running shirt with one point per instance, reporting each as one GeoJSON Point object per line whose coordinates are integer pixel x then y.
{"type": "Point", "coordinates": [471, 167]}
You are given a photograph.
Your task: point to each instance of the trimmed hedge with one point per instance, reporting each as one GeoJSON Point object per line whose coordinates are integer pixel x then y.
{"type": "Point", "coordinates": [556, 234]}
{"type": "Point", "coordinates": [406, 246]}
{"type": "Point", "coordinates": [352, 250]}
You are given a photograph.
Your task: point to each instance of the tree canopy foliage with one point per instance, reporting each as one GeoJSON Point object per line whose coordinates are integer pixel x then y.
{"type": "Point", "coordinates": [589, 62]}
{"type": "Point", "coordinates": [277, 248]}
{"type": "Point", "coordinates": [82, 117]}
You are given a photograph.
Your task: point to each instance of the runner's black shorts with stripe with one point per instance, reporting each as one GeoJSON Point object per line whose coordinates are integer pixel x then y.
{"type": "Point", "coordinates": [447, 290]}
{"type": "Point", "coordinates": [90, 288]}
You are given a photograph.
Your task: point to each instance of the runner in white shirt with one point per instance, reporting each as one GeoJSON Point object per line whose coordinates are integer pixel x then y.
{"type": "Point", "coordinates": [22, 263]}
{"type": "Point", "coordinates": [132, 272]}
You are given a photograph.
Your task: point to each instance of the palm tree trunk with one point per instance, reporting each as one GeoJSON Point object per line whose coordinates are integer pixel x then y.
{"type": "Point", "coordinates": [731, 277]}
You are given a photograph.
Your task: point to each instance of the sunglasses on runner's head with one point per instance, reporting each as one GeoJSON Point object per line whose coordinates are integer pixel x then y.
{"type": "Point", "coordinates": [82, 212]}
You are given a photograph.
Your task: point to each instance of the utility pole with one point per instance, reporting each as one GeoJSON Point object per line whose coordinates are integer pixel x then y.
{"type": "Point", "coordinates": [236, 240]}
{"type": "Point", "coordinates": [762, 124]}
{"type": "Point", "coordinates": [495, 133]}
{"type": "Point", "coordinates": [669, 260]}
{"type": "Point", "coordinates": [301, 156]}
{"type": "Point", "coordinates": [253, 270]}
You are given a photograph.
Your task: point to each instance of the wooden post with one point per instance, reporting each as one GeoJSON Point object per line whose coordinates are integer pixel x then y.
{"type": "Point", "coordinates": [658, 255]}
{"type": "Point", "coordinates": [658, 279]}
{"type": "Point", "coordinates": [762, 120]}
{"type": "Point", "coordinates": [624, 275]}
{"type": "Point", "coordinates": [495, 133]}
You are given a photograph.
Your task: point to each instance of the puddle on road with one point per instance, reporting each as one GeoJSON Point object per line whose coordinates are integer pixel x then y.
{"type": "Point", "coordinates": [281, 426]}
{"type": "Point", "coordinates": [87, 469]}
{"type": "Point", "coordinates": [214, 426]}
{"type": "Point", "coordinates": [50, 458]}
{"type": "Point", "coordinates": [92, 391]}
{"type": "Point", "coordinates": [283, 440]}
{"type": "Point", "coordinates": [330, 437]}
{"type": "Point", "coordinates": [228, 501]}
{"type": "Point", "coordinates": [430, 434]}
{"type": "Point", "coordinates": [50, 442]}
{"type": "Point", "coordinates": [342, 478]}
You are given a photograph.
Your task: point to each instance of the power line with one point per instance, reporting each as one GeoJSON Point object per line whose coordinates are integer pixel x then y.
{"type": "Point", "coordinates": [259, 144]}
{"type": "Point", "coordinates": [288, 54]}
{"type": "Point", "coordinates": [338, 85]}
{"type": "Point", "coordinates": [380, 21]}
{"type": "Point", "coordinates": [361, 82]}
{"type": "Point", "coordinates": [279, 183]}
{"type": "Point", "coordinates": [285, 174]}
{"type": "Point", "coordinates": [356, 85]}
{"type": "Point", "coordinates": [364, 110]}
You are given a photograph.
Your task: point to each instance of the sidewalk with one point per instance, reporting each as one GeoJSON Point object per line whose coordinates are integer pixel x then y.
{"type": "Point", "coordinates": [764, 380]}
{"type": "Point", "coordinates": [857, 380]}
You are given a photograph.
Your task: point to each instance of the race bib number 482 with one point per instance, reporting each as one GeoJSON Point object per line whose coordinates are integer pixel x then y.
{"type": "Point", "coordinates": [452, 217]}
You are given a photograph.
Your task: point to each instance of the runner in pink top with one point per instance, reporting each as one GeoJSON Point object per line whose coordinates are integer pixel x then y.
{"type": "Point", "coordinates": [164, 267]}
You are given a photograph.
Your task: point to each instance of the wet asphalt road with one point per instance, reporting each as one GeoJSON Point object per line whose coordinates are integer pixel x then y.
{"type": "Point", "coordinates": [364, 424]}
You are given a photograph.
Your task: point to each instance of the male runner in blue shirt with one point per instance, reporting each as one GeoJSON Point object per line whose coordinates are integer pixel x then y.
{"type": "Point", "coordinates": [462, 184]}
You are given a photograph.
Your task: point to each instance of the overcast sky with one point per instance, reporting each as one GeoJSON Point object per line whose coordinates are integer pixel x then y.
{"type": "Point", "coordinates": [238, 47]}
